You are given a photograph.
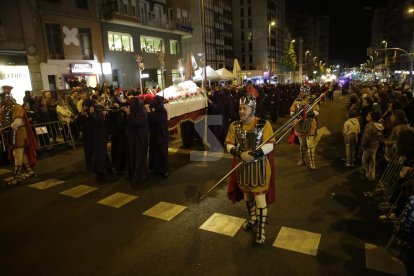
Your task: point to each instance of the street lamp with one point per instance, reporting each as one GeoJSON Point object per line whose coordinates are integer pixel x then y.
{"type": "Point", "coordinates": [269, 56]}
{"type": "Point", "coordinates": [385, 58]}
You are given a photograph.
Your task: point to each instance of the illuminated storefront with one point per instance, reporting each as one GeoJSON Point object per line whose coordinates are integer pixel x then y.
{"type": "Point", "coordinates": [17, 76]}
{"type": "Point", "coordinates": [63, 74]}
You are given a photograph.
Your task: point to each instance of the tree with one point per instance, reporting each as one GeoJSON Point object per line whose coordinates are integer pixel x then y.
{"type": "Point", "coordinates": [289, 60]}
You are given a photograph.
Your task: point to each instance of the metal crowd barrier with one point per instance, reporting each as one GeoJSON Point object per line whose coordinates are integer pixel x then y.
{"type": "Point", "coordinates": [388, 185]}
{"type": "Point", "coordinates": [53, 133]}
{"type": "Point", "coordinates": [47, 135]}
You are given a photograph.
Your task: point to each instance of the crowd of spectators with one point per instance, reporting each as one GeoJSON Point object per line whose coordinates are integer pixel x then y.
{"type": "Point", "coordinates": [384, 114]}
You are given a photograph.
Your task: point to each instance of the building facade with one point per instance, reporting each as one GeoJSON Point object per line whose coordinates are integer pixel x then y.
{"type": "Point", "coordinates": [51, 44]}
{"type": "Point", "coordinates": [258, 33]}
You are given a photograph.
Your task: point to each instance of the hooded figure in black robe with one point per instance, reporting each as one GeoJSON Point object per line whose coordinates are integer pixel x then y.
{"type": "Point", "coordinates": [158, 133]}
{"type": "Point", "coordinates": [137, 142]}
{"type": "Point", "coordinates": [95, 137]}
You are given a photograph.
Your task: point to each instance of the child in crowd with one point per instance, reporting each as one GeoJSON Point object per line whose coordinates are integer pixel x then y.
{"type": "Point", "coordinates": [370, 140]}
{"type": "Point", "coordinates": [350, 131]}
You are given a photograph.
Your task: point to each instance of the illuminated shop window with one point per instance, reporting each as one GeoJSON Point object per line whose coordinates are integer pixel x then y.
{"type": "Point", "coordinates": [174, 47]}
{"type": "Point", "coordinates": [120, 42]}
{"type": "Point", "coordinates": [151, 44]}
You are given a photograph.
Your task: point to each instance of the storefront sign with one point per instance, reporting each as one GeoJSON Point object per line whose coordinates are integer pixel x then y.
{"type": "Point", "coordinates": [81, 68]}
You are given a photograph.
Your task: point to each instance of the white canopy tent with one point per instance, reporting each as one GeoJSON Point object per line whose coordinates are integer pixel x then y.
{"type": "Point", "coordinates": [225, 74]}
{"type": "Point", "coordinates": [210, 74]}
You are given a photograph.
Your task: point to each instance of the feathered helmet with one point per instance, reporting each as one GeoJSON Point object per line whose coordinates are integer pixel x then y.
{"type": "Point", "coordinates": [250, 101]}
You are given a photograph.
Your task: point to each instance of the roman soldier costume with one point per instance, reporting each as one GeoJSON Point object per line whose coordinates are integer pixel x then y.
{"type": "Point", "coordinates": [253, 180]}
{"type": "Point", "coordinates": [305, 126]}
{"type": "Point", "coordinates": [17, 136]}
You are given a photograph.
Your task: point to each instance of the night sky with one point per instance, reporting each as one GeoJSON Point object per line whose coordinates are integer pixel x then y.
{"type": "Point", "coordinates": [350, 25]}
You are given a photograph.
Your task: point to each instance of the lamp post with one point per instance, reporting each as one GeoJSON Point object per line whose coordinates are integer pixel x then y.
{"type": "Point", "coordinates": [385, 58]}
{"type": "Point", "coordinates": [269, 44]}
{"type": "Point", "coordinates": [300, 61]}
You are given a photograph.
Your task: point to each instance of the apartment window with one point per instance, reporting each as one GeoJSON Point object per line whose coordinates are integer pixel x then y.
{"type": "Point", "coordinates": [249, 11]}
{"type": "Point", "coordinates": [250, 47]}
{"type": "Point", "coordinates": [54, 40]}
{"type": "Point", "coordinates": [134, 8]}
{"type": "Point", "coordinates": [125, 6]}
{"type": "Point", "coordinates": [250, 58]}
{"type": "Point", "coordinates": [174, 47]}
{"type": "Point", "coordinates": [53, 1]}
{"type": "Point", "coordinates": [249, 23]}
{"type": "Point", "coordinates": [242, 24]}
{"type": "Point", "coordinates": [241, 12]}
{"type": "Point", "coordinates": [82, 4]}
{"type": "Point", "coordinates": [242, 35]}
{"type": "Point", "coordinates": [85, 39]}
{"type": "Point", "coordinates": [151, 44]}
{"type": "Point", "coordinates": [120, 42]}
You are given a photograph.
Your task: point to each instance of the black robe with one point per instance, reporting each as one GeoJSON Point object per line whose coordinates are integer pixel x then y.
{"type": "Point", "coordinates": [137, 143]}
{"type": "Point", "coordinates": [117, 123]}
{"type": "Point", "coordinates": [158, 144]}
{"type": "Point", "coordinates": [95, 137]}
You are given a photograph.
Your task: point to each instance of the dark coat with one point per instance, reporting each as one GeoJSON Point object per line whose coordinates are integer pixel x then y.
{"type": "Point", "coordinates": [158, 133]}
{"type": "Point", "coordinates": [137, 143]}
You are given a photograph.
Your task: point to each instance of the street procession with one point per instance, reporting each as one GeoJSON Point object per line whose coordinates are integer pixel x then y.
{"type": "Point", "coordinates": [215, 137]}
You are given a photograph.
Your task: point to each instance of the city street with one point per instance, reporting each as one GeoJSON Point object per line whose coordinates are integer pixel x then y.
{"type": "Point", "coordinates": [64, 222]}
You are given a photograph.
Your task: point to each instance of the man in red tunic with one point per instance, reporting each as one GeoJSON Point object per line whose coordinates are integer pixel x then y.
{"type": "Point", "coordinates": [254, 178]}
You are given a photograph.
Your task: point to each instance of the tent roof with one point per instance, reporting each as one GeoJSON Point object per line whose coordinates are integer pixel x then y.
{"type": "Point", "coordinates": [211, 74]}
{"type": "Point", "coordinates": [225, 74]}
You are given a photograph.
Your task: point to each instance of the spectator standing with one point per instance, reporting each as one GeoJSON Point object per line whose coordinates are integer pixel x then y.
{"type": "Point", "coordinates": [350, 131]}
{"type": "Point", "coordinates": [370, 142]}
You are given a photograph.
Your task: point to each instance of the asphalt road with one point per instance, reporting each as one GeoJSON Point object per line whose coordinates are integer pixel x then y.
{"type": "Point", "coordinates": [44, 232]}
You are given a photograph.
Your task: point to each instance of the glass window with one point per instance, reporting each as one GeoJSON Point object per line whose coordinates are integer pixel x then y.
{"type": "Point", "coordinates": [151, 44]}
{"type": "Point", "coordinates": [82, 4]}
{"type": "Point", "coordinates": [85, 43]}
{"type": "Point", "coordinates": [125, 6]}
{"type": "Point", "coordinates": [241, 12]}
{"type": "Point", "coordinates": [174, 47]}
{"type": "Point", "coordinates": [54, 40]}
{"type": "Point", "coordinates": [134, 7]}
{"type": "Point", "coordinates": [120, 42]}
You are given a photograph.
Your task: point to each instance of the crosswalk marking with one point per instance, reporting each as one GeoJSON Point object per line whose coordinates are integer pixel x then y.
{"type": "Point", "coordinates": [78, 191]}
{"type": "Point", "coordinates": [378, 258]}
{"type": "Point", "coordinates": [5, 171]}
{"type": "Point", "coordinates": [164, 210]}
{"type": "Point", "coordinates": [223, 224]}
{"type": "Point", "coordinates": [298, 240]}
{"type": "Point", "coordinates": [43, 185]}
{"type": "Point", "coordinates": [117, 200]}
